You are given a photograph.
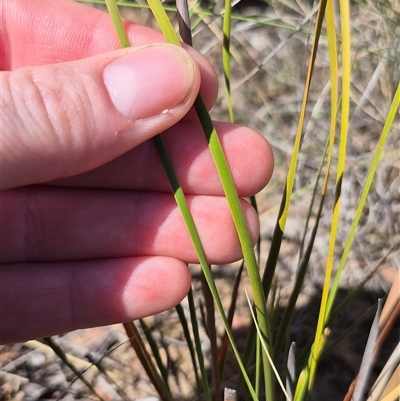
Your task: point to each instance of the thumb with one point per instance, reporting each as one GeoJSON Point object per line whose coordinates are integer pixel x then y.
{"type": "Point", "coordinates": [64, 119]}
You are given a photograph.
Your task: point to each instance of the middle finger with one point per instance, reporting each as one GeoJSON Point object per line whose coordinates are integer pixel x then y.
{"type": "Point", "coordinates": [55, 224]}
{"type": "Point", "coordinates": [248, 154]}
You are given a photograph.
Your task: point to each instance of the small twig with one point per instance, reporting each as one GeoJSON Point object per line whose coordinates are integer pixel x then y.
{"type": "Point", "coordinates": [185, 31]}
{"type": "Point", "coordinates": [62, 355]}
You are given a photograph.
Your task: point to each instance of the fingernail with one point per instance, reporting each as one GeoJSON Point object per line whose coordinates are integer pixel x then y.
{"type": "Point", "coordinates": [149, 80]}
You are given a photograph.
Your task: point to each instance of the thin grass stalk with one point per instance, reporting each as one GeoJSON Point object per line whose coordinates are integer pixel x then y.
{"type": "Point", "coordinates": [277, 236]}
{"type": "Point", "coordinates": [188, 219]}
{"type": "Point", "coordinates": [231, 312]}
{"type": "Point", "coordinates": [81, 364]}
{"type": "Point", "coordinates": [368, 182]}
{"type": "Point", "coordinates": [189, 342]}
{"type": "Point", "coordinates": [291, 370]}
{"type": "Point", "coordinates": [394, 393]}
{"type": "Point", "coordinates": [367, 360]}
{"type": "Point", "coordinates": [244, 238]}
{"type": "Point", "coordinates": [303, 264]}
{"type": "Point", "coordinates": [312, 202]}
{"type": "Point", "coordinates": [154, 350]}
{"type": "Point", "coordinates": [197, 8]}
{"type": "Point", "coordinates": [354, 293]}
{"type": "Point", "coordinates": [385, 330]}
{"type": "Point", "coordinates": [376, 159]}
{"type": "Point", "coordinates": [363, 318]}
{"type": "Point", "coordinates": [251, 339]}
{"type": "Point", "coordinates": [203, 315]}
{"type": "Point", "coordinates": [392, 306]}
{"type": "Point", "coordinates": [262, 342]}
{"type": "Point", "coordinates": [200, 356]}
{"type": "Point", "coordinates": [212, 335]}
{"type": "Point", "coordinates": [345, 103]}
{"type": "Point", "coordinates": [63, 356]}
{"type": "Point", "coordinates": [257, 380]}
{"type": "Point", "coordinates": [226, 56]}
{"type": "Point", "coordinates": [185, 30]}
{"type": "Point", "coordinates": [390, 370]}
{"type": "Point", "coordinates": [145, 359]}
{"type": "Point", "coordinates": [186, 36]}
{"type": "Point", "coordinates": [304, 354]}
{"type": "Point", "coordinates": [253, 202]}
{"type": "Point", "coordinates": [392, 302]}
{"type": "Point", "coordinates": [234, 205]}
{"type": "Point", "coordinates": [345, 304]}
{"type": "Point", "coordinates": [284, 325]}
{"type": "Point", "coordinates": [341, 307]}
{"type": "Point", "coordinates": [181, 201]}
{"type": "Point", "coordinates": [116, 19]}
{"type": "Point", "coordinates": [302, 388]}
{"type": "Point", "coordinates": [287, 193]}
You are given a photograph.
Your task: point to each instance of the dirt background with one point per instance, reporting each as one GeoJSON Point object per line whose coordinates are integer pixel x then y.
{"type": "Point", "coordinates": [268, 73]}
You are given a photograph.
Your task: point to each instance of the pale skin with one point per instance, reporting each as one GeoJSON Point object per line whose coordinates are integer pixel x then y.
{"type": "Point", "coordinates": [90, 233]}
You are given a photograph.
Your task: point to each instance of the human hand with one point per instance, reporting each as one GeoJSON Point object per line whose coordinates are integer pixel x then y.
{"type": "Point", "coordinates": [90, 233]}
